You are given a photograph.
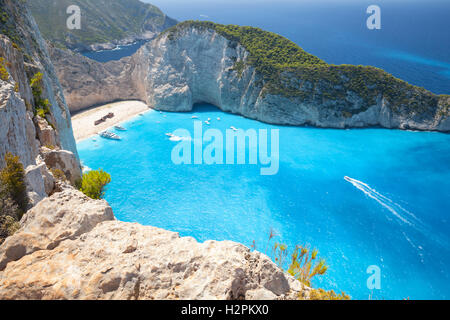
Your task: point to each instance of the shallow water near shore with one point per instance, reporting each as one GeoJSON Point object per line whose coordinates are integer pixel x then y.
{"type": "Point", "coordinates": [362, 197]}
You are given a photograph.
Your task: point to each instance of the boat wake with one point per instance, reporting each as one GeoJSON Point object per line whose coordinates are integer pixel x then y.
{"type": "Point", "coordinates": [404, 216]}
{"type": "Point", "coordinates": [396, 209]}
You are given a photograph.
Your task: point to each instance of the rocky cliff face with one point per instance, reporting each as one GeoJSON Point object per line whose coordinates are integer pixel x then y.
{"type": "Point", "coordinates": [71, 247]}
{"type": "Point", "coordinates": [200, 65]}
{"type": "Point", "coordinates": [22, 132]}
{"type": "Point", "coordinates": [87, 82]}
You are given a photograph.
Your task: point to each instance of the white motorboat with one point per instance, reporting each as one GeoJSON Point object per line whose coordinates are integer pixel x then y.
{"type": "Point", "coordinates": [109, 135]}
{"type": "Point", "coordinates": [120, 128]}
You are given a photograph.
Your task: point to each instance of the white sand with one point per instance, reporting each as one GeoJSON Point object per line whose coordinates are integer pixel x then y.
{"type": "Point", "coordinates": [83, 122]}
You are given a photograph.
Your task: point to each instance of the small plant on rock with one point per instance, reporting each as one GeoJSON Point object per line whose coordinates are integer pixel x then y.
{"type": "Point", "coordinates": [304, 266]}
{"type": "Point", "coordinates": [42, 105]}
{"type": "Point", "coordinates": [12, 180]}
{"type": "Point", "coordinates": [4, 75]}
{"type": "Point", "coordinates": [93, 183]}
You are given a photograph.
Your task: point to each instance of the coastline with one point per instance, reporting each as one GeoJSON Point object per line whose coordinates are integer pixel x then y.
{"type": "Point", "coordinates": [83, 122]}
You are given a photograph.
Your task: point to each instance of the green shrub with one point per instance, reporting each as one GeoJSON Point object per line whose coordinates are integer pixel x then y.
{"type": "Point", "coordinates": [12, 179]}
{"type": "Point", "coordinates": [93, 183]}
{"type": "Point", "coordinates": [239, 67]}
{"type": "Point", "coordinates": [304, 266]}
{"type": "Point", "coordinates": [320, 294]}
{"type": "Point", "coordinates": [4, 75]}
{"type": "Point", "coordinates": [42, 105]}
{"type": "Point", "coordinates": [8, 226]}
{"type": "Point", "coordinates": [58, 174]}
{"type": "Point", "coordinates": [9, 214]}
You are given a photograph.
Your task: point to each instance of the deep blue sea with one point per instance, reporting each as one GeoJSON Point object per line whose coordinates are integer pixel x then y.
{"type": "Point", "coordinates": [115, 54]}
{"type": "Point", "coordinates": [413, 43]}
{"type": "Point", "coordinates": [391, 211]}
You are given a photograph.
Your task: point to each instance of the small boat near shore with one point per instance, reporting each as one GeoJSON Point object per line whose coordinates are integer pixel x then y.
{"type": "Point", "coordinates": [120, 128]}
{"type": "Point", "coordinates": [109, 135]}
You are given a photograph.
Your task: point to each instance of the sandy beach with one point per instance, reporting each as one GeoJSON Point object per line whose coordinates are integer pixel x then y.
{"type": "Point", "coordinates": [83, 122]}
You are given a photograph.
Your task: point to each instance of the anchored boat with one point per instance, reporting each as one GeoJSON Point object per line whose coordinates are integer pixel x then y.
{"type": "Point", "coordinates": [109, 135]}
{"type": "Point", "coordinates": [120, 128]}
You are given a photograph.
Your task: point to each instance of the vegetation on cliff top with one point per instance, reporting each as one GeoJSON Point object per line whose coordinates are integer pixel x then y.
{"type": "Point", "coordinates": [304, 265]}
{"type": "Point", "coordinates": [11, 180]}
{"type": "Point", "coordinates": [12, 186]}
{"type": "Point", "coordinates": [42, 105]}
{"type": "Point", "coordinates": [94, 182]}
{"type": "Point", "coordinates": [101, 21]}
{"type": "Point", "coordinates": [4, 75]}
{"type": "Point", "coordinates": [286, 69]}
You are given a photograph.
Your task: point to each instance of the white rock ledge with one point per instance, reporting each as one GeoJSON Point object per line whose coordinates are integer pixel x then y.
{"type": "Point", "coordinates": [71, 247]}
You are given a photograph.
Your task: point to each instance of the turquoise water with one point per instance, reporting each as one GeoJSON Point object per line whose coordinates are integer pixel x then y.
{"type": "Point", "coordinates": [392, 211]}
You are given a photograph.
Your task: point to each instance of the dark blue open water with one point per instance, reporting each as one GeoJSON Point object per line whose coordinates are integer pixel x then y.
{"type": "Point", "coordinates": [413, 43]}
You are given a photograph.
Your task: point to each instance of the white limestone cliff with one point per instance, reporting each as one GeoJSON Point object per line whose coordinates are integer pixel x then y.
{"type": "Point", "coordinates": [198, 66]}
{"type": "Point", "coordinates": [22, 132]}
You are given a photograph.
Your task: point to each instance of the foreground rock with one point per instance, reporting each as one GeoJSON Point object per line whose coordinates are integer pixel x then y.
{"type": "Point", "coordinates": [71, 247]}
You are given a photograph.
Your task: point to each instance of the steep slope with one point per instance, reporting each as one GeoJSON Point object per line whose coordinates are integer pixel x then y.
{"type": "Point", "coordinates": [71, 247]}
{"type": "Point", "coordinates": [104, 23]}
{"type": "Point", "coordinates": [87, 82]}
{"type": "Point", "coordinates": [263, 76]}
{"type": "Point", "coordinates": [32, 119]}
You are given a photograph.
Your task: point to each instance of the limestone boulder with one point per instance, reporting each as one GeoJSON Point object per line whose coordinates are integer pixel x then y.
{"type": "Point", "coordinates": [64, 216]}
{"type": "Point", "coordinates": [70, 247]}
{"type": "Point", "coordinates": [47, 135]}
{"type": "Point", "coordinates": [65, 161]}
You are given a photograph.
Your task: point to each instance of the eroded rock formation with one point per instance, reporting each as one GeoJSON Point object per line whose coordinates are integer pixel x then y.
{"type": "Point", "coordinates": [87, 83]}
{"type": "Point", "coordinates": [71, 247]}
{"type": "Point", "coordinates": [22, 131]}
{"type": "Point", "coordinates": [199, 65]}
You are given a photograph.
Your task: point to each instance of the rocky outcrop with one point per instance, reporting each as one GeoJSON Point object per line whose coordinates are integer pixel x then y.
{"type": "Point", "coordinates": [199, 65]}
{"type": "Point", "coordinates": [46, 134]}
{"type": "Point", "coordinates": [71, 247]}
{"type": "Point", "coordinates": [173, 72]}
{"type": "Point", "coordinates": [16, 125]}
{"type": "Point", "coordinates": [65, 161]}
{"type": "Point", "coordinates": [22, 131]}
{"type": "Point", "coordinates": [87, 82]}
